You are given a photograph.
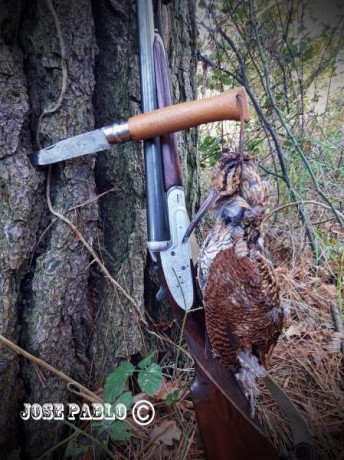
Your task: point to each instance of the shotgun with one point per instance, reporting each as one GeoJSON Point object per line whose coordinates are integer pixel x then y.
{"type": "Point", "coordinates": [222, 410]}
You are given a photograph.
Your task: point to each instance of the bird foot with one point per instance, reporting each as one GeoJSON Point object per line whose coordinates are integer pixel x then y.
{"type": "Point", "coordinates": [215, 354]}
{"type": "Point", "coordinates": [247, 381]}
{"type": "Point", "coordinates": [249, 372]}
{"type": "Point", "coordinates": [250, 362]}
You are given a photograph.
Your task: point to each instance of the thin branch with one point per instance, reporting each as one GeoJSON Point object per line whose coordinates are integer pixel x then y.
{"type": "Point", "coordinates": [91, 200]}
{"type": "Point", "coordinates": [297, 203]}
{"type": "Point", "coordinates": [270, 173]}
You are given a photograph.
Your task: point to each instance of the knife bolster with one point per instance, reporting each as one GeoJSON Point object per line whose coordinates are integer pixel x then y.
{"type": "Point", "coordinates": [117, 133]}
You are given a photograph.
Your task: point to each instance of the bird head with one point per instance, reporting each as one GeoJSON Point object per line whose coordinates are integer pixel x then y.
{"type": "Point", "coordinates": [226, 175]}
{"type": "Point", "coordinates": [226, 179]}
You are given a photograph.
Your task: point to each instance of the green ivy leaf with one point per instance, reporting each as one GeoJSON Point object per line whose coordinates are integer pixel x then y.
{"type": "Point", "coordinates": [125, 398]}
{"type": "Point", "coordinates": [147, 360]}
{"type": "Point", "coordinates": [150, 379]}
{"type": "Point", "coordinates": [115, 382]}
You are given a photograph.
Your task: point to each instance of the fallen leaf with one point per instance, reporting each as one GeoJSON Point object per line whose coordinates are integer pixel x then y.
{"type": "Point", "coordinates": [167, 387]}
{"type": "Point", "coordinates": [141, 396]}
{"type": "Point", "coordinates": [167, 432]}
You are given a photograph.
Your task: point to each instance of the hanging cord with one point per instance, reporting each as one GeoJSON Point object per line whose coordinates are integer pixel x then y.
{"type": "Point", "coordinates": [242, 131]}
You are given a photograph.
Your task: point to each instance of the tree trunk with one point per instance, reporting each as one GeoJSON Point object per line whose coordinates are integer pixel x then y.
{"type": "Point", "coordinates": [56, 303]}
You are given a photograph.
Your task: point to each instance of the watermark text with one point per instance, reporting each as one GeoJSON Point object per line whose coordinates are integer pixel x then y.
{"type": "Point", "coordinates": [143, 412]}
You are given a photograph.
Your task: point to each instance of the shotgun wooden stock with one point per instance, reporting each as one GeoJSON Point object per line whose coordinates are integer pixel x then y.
{"type": "Point", "coordinates": [189, 114]}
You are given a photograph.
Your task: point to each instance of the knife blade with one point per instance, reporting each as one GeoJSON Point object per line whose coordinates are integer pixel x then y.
{"type": "Point", "coordinates": [91, 142]}
{"type": "Point", "coordinates": [147, 125]}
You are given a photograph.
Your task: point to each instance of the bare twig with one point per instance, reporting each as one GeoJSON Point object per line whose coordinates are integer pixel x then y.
{"type": "Point", "coordinates": [297, 203]}
{"type": "Point", "coordinates": [91, 200]}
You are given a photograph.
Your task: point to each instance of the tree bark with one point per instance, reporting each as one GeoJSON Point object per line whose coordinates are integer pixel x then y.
{"type": "Point", "coordinates": [56, 303]}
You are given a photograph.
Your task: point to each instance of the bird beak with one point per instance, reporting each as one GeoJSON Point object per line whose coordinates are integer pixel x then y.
{"type": "Point", "coordinates": [212, 198]}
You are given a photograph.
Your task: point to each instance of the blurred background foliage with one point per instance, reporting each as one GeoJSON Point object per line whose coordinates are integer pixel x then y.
{"type": "Point", "coordinates": [290, 58]}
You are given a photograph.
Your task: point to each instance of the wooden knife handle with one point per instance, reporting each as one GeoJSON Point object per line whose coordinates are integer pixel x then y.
{"type": "Point", "coordinates": [189, 114]}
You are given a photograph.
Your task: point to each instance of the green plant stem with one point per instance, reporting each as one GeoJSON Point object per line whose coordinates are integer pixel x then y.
{"type": "Point", "coordinates": [180, 343]}
{"type": "Point", "coordinates": [181, 330]}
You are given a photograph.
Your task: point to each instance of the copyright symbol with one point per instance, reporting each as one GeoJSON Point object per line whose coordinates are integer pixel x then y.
{"type": "Point", "coordinates": [143, 412]}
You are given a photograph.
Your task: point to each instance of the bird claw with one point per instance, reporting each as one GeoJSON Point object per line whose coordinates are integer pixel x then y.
{"type": "Point", "coordinates": [249, 372]}
{"type": "Point", "coordinates": [250, 362]}
{"type": "Point", "coordinates": [247, 381]}
{"type": "Point", "coordinates": [215, 354]}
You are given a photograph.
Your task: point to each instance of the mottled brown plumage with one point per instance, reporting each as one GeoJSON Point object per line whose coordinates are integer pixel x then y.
{"type": "Point", "coordinates": [243, 309]}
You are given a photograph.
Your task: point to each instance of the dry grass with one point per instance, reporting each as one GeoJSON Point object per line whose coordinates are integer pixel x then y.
{"type": "Point", "coordinates": [307, 361]}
